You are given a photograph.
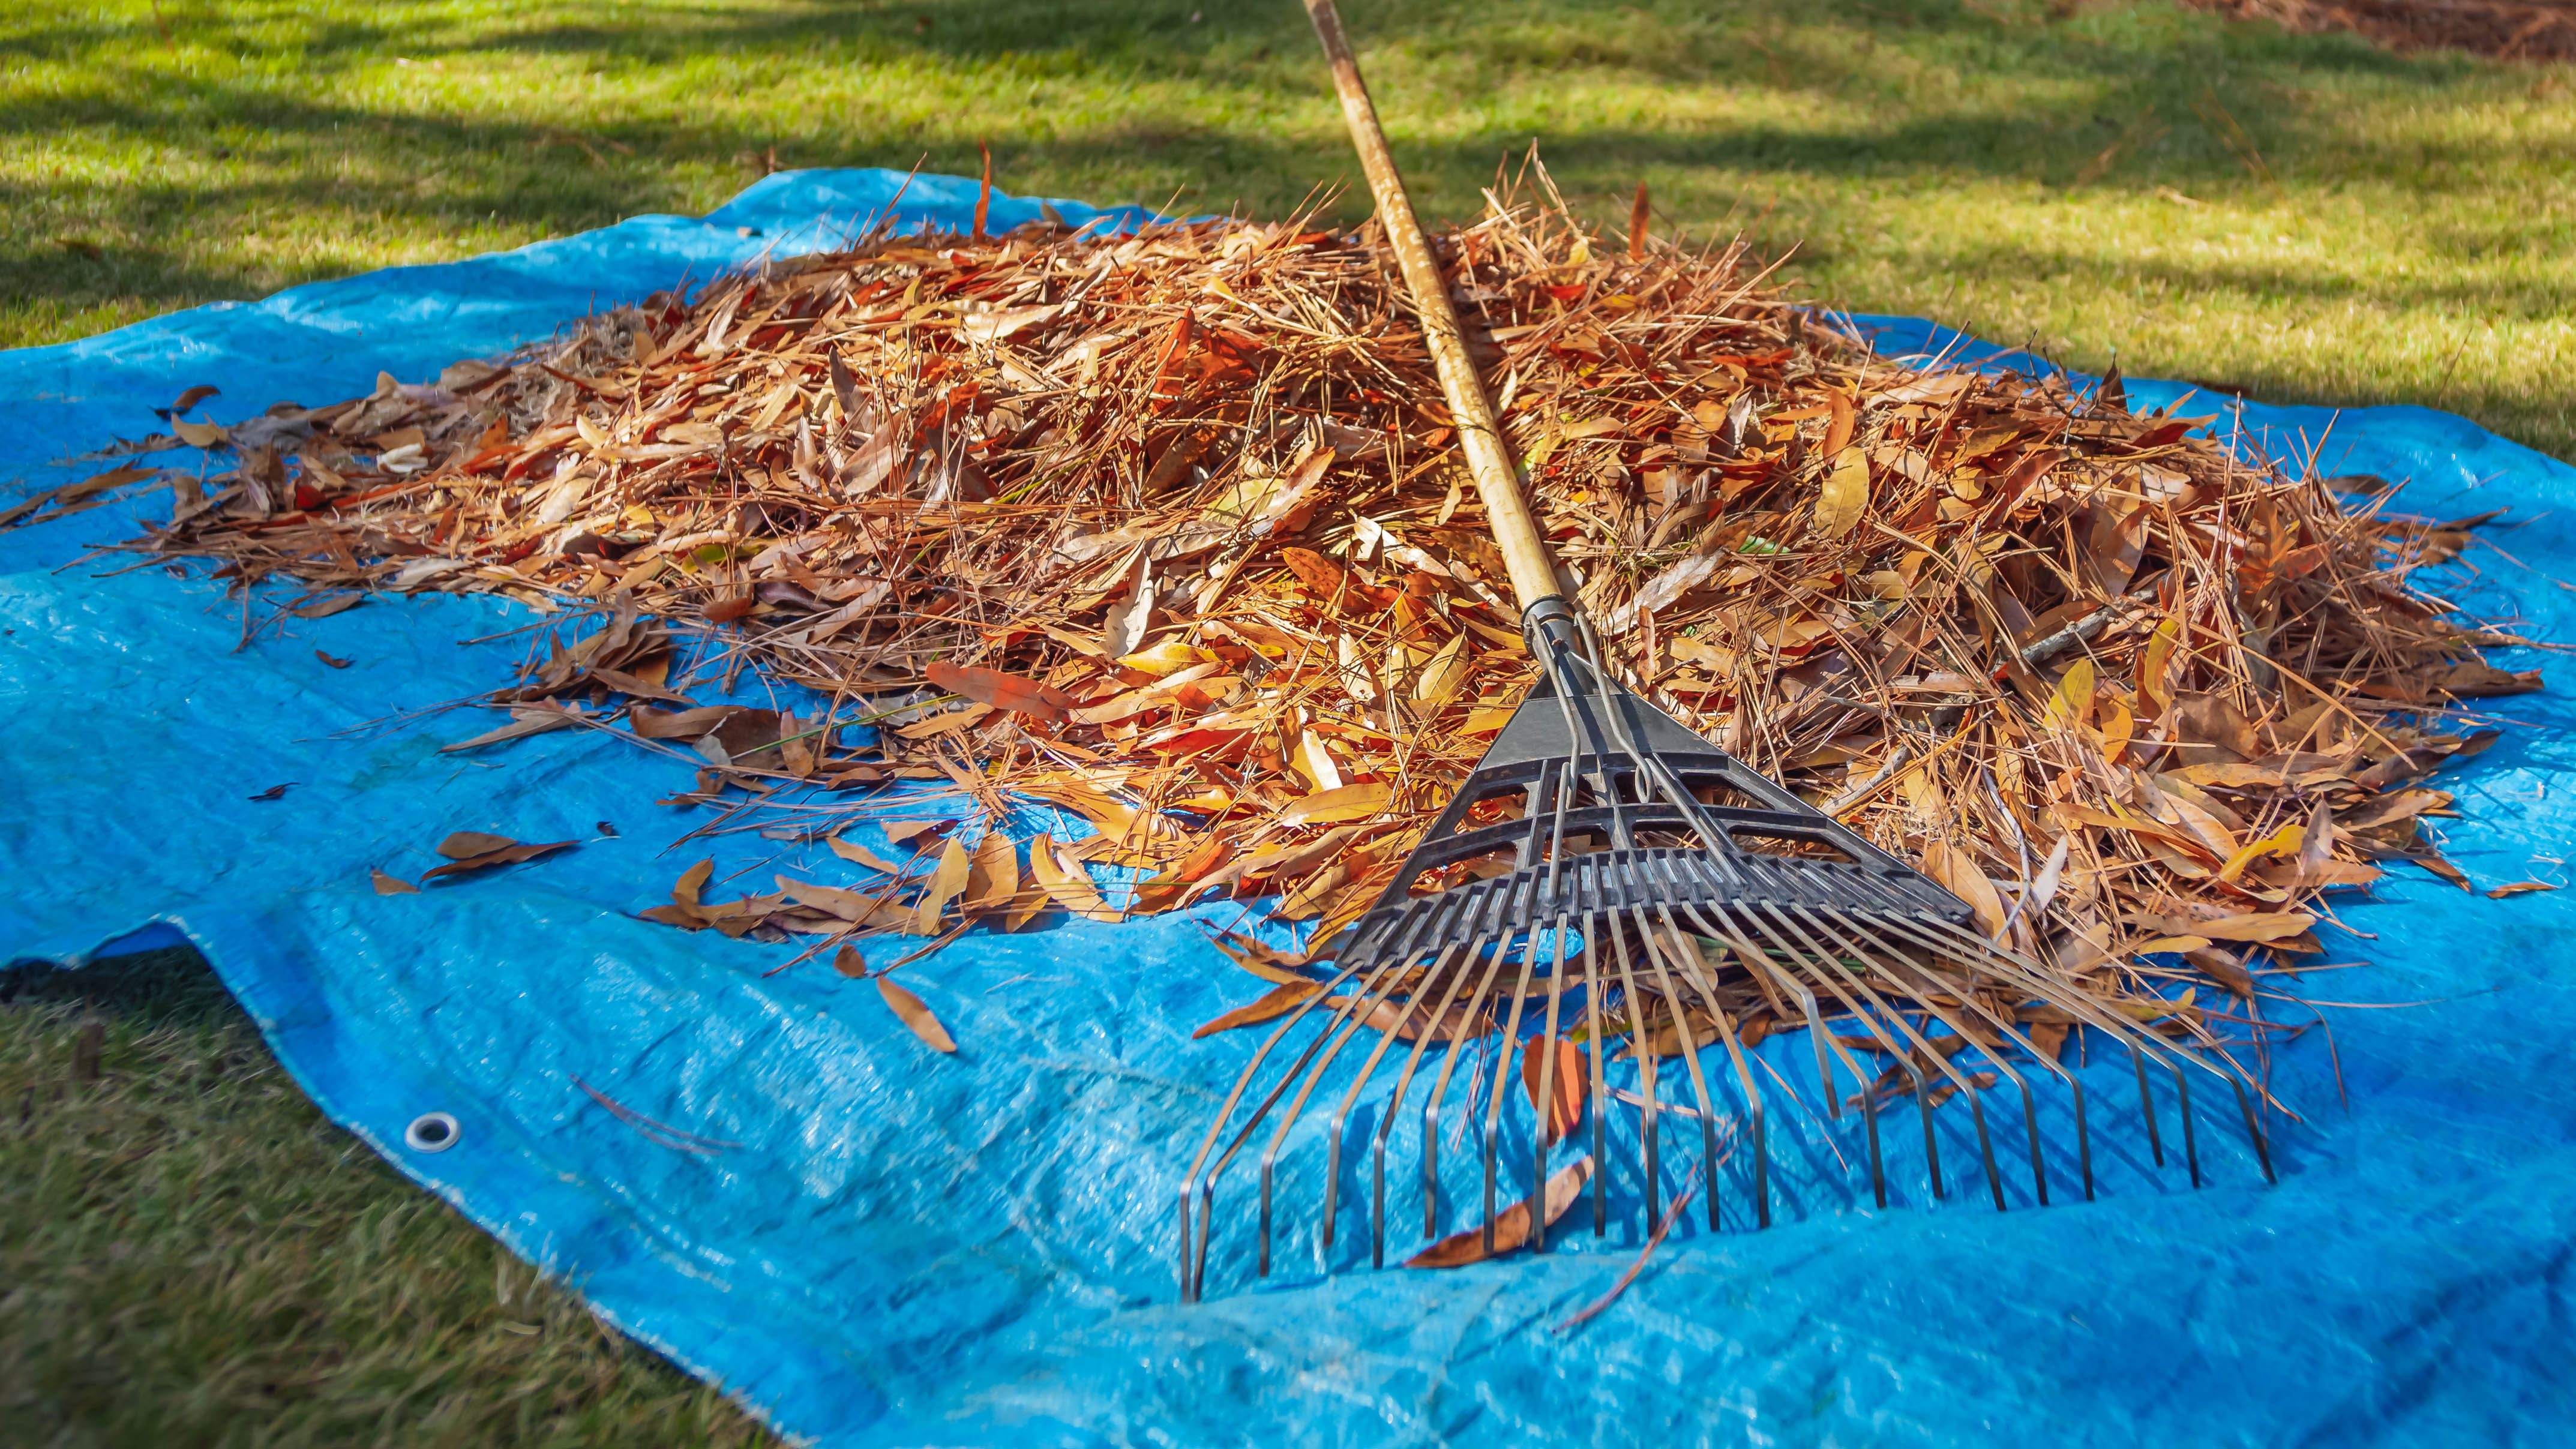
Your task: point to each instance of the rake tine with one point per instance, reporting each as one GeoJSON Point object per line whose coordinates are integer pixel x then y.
{"type": "Point", "coordinates": [1336, 1037]}
{"type": "Point", "coordinates": [2190, 1144]}
{"type": "Point", "coordinates": [2147, 1104]}
{"type": "Point", "coordinates": [1671, 944]}
{"type": "Point", "coordinates": [1543, 1138]}
{"type": "Point", "coordinates": [1395, 1105]}
{"type": "Point", "coordinates": [1595, 1011]}
{"type": "Point", "coordinates": [1807, 995]}
{"type": "Point", "coordinates": [2254, 1129]}
{"type": "Point", "coordinates": [1350, 1096]}
{"type": "Point", "coordinates": [1904, 1057]}
{"type": "Point", "coordinates": [1440, 1090]}
{"type": "Point", "coordinates": [1743, 1077]}
{"type": "Point", "coordinates": [1192, 1274]}
{"type": "Point", "coordinates": [1822, 957]}
{"type": "Point", "coordinates": [1643, 1050]}
{"type": "Point", "coordinates": [2029, 1107]}
{"type": "Point", "coordinates": [1493, 1098]}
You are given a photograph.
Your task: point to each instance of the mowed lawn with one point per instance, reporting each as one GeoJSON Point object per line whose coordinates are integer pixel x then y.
{"type": "Point", "coordinates": [190, 1254]}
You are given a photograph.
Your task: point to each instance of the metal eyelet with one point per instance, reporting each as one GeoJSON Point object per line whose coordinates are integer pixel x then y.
{"type": "Point", "coordinates": [432, 1132]}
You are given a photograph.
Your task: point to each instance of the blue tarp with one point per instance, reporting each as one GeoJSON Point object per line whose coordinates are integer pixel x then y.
{"type": "Point", "coordinates": [898, 1248]}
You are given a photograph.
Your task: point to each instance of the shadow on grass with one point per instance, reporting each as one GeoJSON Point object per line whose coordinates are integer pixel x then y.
{"type": "Point", "coordinates": [150, 990]}
{"type": "Point", "coordinates": [671, 109]}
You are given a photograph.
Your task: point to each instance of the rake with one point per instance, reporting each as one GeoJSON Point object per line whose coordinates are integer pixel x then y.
{"type": "Point", "coordinates": [1660, 883]}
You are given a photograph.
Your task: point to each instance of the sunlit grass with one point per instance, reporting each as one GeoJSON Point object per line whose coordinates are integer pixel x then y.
{"type": "Point", "coordinates": [2304, 217]}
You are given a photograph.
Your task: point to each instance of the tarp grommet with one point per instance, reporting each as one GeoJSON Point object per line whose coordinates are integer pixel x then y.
{"type": "Point", "coordinates": [432, 1132]}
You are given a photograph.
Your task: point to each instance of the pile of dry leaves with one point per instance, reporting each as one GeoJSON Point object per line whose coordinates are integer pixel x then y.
{"type": "Point", "coordinates": [1166, 530]}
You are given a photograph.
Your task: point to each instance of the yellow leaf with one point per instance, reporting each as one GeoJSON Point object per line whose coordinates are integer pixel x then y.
{"type": "Point", "coordinates": [2276, 926]}
{"type": "Point", "coordinates": [852, 850]}
{"type": "Point", "coordinates": [1442, 675]}
{"type": "Point", "coordinates": [946, 884]}
{"type": "Point", "coordinates": [2282, 842]}
{"type": "Point", "coordinates": [1070, 885]}
{"type": "Point", "coordinates": [2072, 705]}
{"type": "Point", "coordinates": [2157, 662]}
{"type": "Point", "coordinates": [201, 435]}
{"type": "Point", "coordinates": [1170, 657]}
{"type": "Point", "coordinates": [1331, 807]}
{"type": "Point", "coordinates": [1314, 892]}
{"type": "Point", "coordinates": [916, 1014]}
{"type": "Point", "coordinates": [1845, 495]}
{"type": "Point", "coordinates": [995, 879]}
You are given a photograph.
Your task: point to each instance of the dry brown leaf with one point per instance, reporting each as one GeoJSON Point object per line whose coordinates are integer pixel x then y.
{"type": "Point", "coordinates": [1069, 885]}
{"type": "Point", "coordinates": [1511, 1228]}
{"type": "Point", "coordinates": [1566, 1092]}
{"type": "Point", "coordinates": [1276, 1002]}
{"type": "Point", "coordinates": [947, 883]}
{"type": "Point", "coordinates": [917, 1015]}
{"type": "Point", "coordinates": [391, 885]}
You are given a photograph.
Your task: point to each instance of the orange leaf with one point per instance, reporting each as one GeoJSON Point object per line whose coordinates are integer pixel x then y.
{"type": "Point", "coordinates": [1512, 1228]}
{"type": "Point", "coordinates": [917, 1015]}
{"type": "Point", "coordinates": [1070, 885]}
{"type": "Point", "coordinates": [1565, 1092]}
{"type": "Point", "coordinates": [1002, 691]}
{"type": "Point", "coordinates": [1277, 1001]}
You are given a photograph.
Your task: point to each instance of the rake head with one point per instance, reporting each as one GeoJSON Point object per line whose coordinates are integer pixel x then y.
{"type": "Point", "coordinates": [1604, 862]}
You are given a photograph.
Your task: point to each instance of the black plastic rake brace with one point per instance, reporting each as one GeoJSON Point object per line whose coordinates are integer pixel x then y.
{"type": "Point", "coordinates": [1633, 835]}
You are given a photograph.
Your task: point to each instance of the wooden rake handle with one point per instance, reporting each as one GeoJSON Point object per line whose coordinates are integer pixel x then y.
{"type": "Point", "coordinates": [1489, 463]}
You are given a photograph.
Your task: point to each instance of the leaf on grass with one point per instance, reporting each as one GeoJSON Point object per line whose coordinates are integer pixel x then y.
{"type": "Point", "coordinates": [917, 1015]}
{"type": "Point", "coordinates": [1512, 1228]}
{"type": "Point", "coordinates": [1567, 1089]}
{"type": "Point", "coordinates": [1070, 885]}
{"type": "Point", "coordinates": [508, 854]}
{"type": "Point", "coordinates": [2518, 888]}
{"type": "Point", "coordinates": [392, 885]}
{"type": "Point", "coordinates": [1017, 693]}
{"type": "Point", "coordinates": [1277, 1001]}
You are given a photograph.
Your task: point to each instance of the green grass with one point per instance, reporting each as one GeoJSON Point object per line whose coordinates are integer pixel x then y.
{"type": "Point", "coordinates": [190, 1254]}
{"type": "Point", "coordinates": [2303, 217]}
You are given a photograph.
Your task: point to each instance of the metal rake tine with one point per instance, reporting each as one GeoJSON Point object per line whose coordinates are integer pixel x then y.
{"type": "Point", "coordinates": [2147, 1103]}
{"type": "Point", "coordinates": [1597, 1011]}
{"type": "Point", "coordinates": [1325, 1239]}
{"type": "Point", "coordinates": [2190, 1144]}
{"type": "Point", "coordinates": [2011, 1030]}
{"type": "Point", "coordinates": [1386, 1120]}
{"type": "Point", "coordinates": [1643, 1050]}
{"type": "Point", "coordinates": [1690, 1047]}
{"type": "Point", "coordinates": [1339, 1035]}
{"type": "Point", "coordinates": [1543, 1139]}
{"type": "Point", "coordinates": [1743, 1075]}
{"type": "Point", "coordinates": [1193, 1271]}
{"type": "Point", "coordinates": [2029, 1104]}
{"type": "Point", "coordinates": [1904, 1054]}
{"type": "Point", "coordinates": [1757, 959]}
{"type": "Point", "coordinates": [2254, 1129]}
{"type": "Point", "coordinates": [1827, 968]}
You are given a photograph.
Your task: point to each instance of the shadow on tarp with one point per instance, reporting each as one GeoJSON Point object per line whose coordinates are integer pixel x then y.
{"type": "Point", "coordinates": [895, 1248]}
